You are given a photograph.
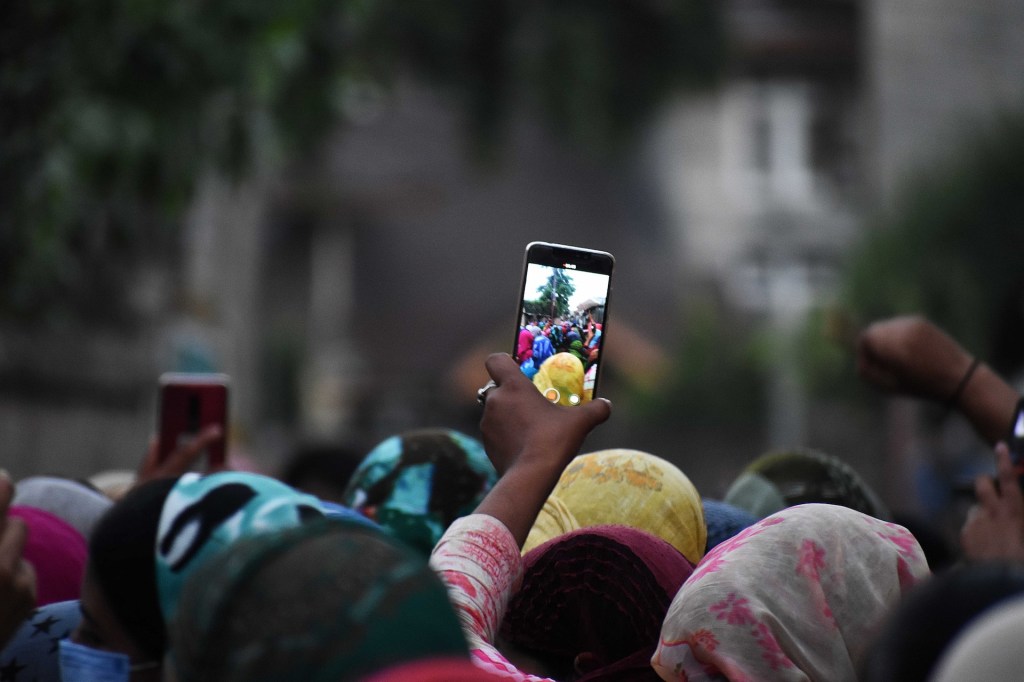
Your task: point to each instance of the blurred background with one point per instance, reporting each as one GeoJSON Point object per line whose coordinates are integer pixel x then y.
{"type": "Point", "coordinates": [329, 201]}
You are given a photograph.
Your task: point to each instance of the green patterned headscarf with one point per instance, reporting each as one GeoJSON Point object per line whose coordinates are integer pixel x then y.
{"type": "Point", "coordinates": [329, 601]}
{"type": "Point", "coordinates": [787, 478]}
{"type": "Point", "coordinates": [415, 485]}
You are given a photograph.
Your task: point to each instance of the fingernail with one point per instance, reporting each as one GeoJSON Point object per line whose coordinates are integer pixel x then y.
{"type": "Point", "coordinates": [5, 475]}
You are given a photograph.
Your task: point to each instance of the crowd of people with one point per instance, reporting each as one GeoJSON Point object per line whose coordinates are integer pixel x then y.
{"type": "Point", "coordinates": [561, 356]}
{"type": "Point", "coordinates": [444, 558]}
{"type": "Point", "coordinates": [540, 338]}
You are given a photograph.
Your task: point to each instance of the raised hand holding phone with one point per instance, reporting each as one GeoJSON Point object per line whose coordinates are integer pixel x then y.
{"type": "Point", "coordinates": [529, 441]}
{"type": "Point", "coordinates": [192, 425]}
{"type": "Point", "coordinates": [994, 529]}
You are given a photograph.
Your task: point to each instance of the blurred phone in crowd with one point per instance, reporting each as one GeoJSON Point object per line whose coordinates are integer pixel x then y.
{"type": "Point", "coordinates": [188, 404]}
{"type": "Point", "coordinates": [561, 320]}
{"type": "Point", "coordinates": [1015, 439]}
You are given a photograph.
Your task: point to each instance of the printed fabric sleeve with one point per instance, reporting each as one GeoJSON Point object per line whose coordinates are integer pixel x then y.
{"type": "Point", "coordinates": [479, 562]}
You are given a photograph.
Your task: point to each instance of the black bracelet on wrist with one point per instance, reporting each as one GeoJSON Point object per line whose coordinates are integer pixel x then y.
{"type": "Point", "coordinates": [952, 401]}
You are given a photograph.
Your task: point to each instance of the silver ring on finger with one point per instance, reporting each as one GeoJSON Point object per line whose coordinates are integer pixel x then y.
{"type": "Point", "coordinates": [481, 393]}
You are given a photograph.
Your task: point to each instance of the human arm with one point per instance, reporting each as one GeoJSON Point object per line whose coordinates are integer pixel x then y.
{"type": "Point", "coordinates": [17, 577]}
{"type": "Point", "coordinates": [180, 460]}
{"type": "Point", "coordinates": [994, 529]}
{"type": "Point", "coordinates": [911, 356]}
{"type": "Point", "coordinates": [530, 441]}
{"type": "Point", "coordinates": [479, 562]}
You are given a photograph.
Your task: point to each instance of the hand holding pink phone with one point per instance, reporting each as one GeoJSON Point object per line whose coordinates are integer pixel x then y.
{"type": "Point", "coordinates": [193, 422]}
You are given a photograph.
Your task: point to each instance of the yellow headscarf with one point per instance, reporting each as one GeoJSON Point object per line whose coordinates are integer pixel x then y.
{"type": "Point", "coordinates": [554, 519]}
{"type": "Point", "coordinates": [629, 488]}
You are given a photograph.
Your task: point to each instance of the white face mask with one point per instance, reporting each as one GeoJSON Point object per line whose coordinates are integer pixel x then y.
{"type": "Point", "coordinates": [80, 663]}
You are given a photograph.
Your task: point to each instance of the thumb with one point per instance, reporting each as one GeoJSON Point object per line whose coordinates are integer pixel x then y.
{"type": "Point", "coordinates": [598, 410]}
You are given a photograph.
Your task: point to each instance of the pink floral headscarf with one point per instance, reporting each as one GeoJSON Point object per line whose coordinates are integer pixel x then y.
{"type": "Point", "coordinates": [795, 597]}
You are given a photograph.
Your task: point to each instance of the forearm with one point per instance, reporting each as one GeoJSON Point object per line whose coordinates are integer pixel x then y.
{"type": "Point", "coordinates": [519, 494]}
{"type": "Point", "coordinates": [480, 563]}
{"type": "Point", "coordinates": [988, 403]}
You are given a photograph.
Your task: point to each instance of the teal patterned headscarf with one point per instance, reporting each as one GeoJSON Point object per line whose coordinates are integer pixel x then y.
{"type": "Point", "coordinates": [415, 485]}
{"type": "Point", "coordinates": [203, 515]}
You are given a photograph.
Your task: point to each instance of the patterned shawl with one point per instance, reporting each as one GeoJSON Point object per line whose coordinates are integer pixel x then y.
{"type": "Point", "coordinates": [795, 597]}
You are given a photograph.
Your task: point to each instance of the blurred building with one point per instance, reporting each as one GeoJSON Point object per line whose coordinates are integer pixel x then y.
{"type": "Point", "coordinates": [340, 294]}
{"type": "Point", "coordinates": [764, 176]}
{"type": "Point", "coordinates": [830, 107]}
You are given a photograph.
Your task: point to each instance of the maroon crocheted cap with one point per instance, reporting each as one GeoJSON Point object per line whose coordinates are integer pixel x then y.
{"type": "Point", "coordinates": [603, 590]}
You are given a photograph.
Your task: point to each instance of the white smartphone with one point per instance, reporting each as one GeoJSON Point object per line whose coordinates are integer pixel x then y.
{"type": "Point", "coordinates": [562, 320]}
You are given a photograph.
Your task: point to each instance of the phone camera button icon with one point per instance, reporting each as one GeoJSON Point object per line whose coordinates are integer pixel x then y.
{"type": "Point", "coordinates": [552, 394]}
{"type": "Point", "coordinates": [574, 399]}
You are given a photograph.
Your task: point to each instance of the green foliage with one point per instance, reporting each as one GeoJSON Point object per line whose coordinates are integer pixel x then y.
{"type": "Point", "coordinates": [112, 108]}
{"type": "Point", "coordinates": [594, 68]}
{"type": "Point", "coordinates": [718, 376]}
{"type": "Point", "coordinates": [825, 344]}
{"type": "Point", "coordinates": [553, 297]}
{"type": "Point", "coordinates": [536, 308]}
{"type": "Point", "coordinates": [953, 250]}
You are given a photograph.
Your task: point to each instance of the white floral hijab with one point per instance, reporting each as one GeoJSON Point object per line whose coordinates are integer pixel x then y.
{"type": "Point", "coordinates": [796, 596]}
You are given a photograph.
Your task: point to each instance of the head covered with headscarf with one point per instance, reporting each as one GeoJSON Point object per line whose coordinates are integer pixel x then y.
{"type": "Point", "coordinates": [796, 596]}
{"type": "Point", "coordinates": [416, 484]}
{"type": "Point", "coordinates": [988, 650]}
{"type": "Point", "coordinates": [592, 602]}
{"type": "Point", "coordinates": [786, 478]}
{"type": "Point", "coordinates": [329, 601]}
{"type": "Point", "coordinates": [74, 502]}
{"type": "Point", "coordinates": [933, 614]}
{"type": "Point", "coordinates": [563, 373]}
{"type": "Point", "coordinates": [629, 488]}
{"type": "Point", "coordinates": [203, 515]}
{"type": "Point", "coordinates": [577, 349]}
{"type": "Point", "coordinates": [56, 551]}
{"type": "Point", "coordinates": [145, 547]}
{"type": "Point", "coordinates": [724, 521]}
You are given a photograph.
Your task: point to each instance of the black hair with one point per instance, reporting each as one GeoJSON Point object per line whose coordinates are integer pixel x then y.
{"type": "Point", "coordinates": [931, 616]}
{"type": "Point", "coordinates": [122, 561]}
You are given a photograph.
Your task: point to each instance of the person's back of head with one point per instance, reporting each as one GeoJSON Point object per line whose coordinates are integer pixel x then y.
{"type": "Point", "coordinates": [988, 650]}
{"type": "Point", "coordinates": [122, 564]}
{"type": "Point", "coordinates": [592, 603]}
{"type": "Point", "coordinates": [326, 601]}
{"type": "Point", "coordinates": [416, 484]}
{"type": "Point", "coordinates": [76, 502]}
{"type": "Point", "coordinates": [629, 488]}
{"type": "Point", "coordinates": [798, 595]}
{"type": "Point", "coordinates": [322, 470]}
{"type": "Point", "coordinates": [146, 545]}
{"type": "Point", "coordinates": [932, 615]}
{"type": "Point", "coordinates": [786, 478]}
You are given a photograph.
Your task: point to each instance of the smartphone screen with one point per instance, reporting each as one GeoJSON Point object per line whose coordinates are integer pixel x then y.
{"type": "Point", "coordinates": [188, 404]}
{"type": "Point", "coordinates": [562, 318]}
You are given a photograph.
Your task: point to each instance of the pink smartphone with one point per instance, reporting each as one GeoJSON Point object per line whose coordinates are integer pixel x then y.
{"type": "Point", "coordinates": [188, 404]}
